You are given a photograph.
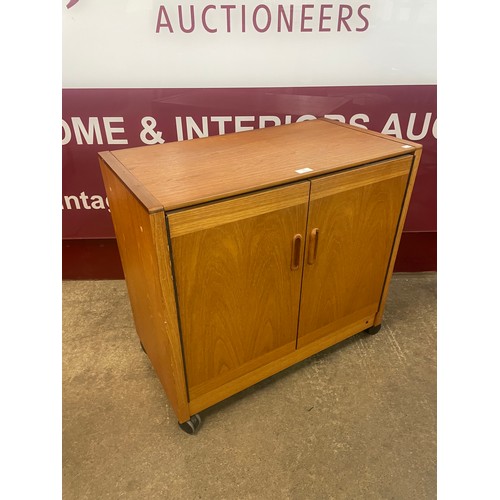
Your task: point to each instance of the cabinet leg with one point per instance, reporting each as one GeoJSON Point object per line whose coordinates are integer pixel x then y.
{"type": "Point", "coordinates": [192, 425]}
{"type": "Point", "coordinates": [373, 329]}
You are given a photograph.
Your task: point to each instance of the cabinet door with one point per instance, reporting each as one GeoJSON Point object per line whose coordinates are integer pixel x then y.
{"type": "Point", "coordinates": [238, 268]}
{"type": "Point", "coordinates": [353, 217]}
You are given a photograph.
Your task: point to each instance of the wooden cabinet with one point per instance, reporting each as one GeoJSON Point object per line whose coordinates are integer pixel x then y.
{"type": "Point", "coordinates": [246, 253]}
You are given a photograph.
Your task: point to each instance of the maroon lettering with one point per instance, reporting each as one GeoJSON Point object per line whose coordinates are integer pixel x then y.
{"type": "Point", "coordinates": [228, 15]}
{"type": "Point", "coordinates": [162, 12]}
{"type": "Point", "coordinates": [204, 18]}
{"type": "Point", "coordinates": [323, 17]}
{"type": "Point", "coordinates": [255, 14]}
{"type": "Point", "coordinates": [181, 20]}
{"type": "Point", "coordinates": [282, 17]}
{"type": "Point", "coordinates": [360, 14]}
{"type": "Point", "coordinates": [243, 19]}
{"type": "Point", "coordinates": [343, 19]}
{"type": "Point", "coordinates": [305, 18]}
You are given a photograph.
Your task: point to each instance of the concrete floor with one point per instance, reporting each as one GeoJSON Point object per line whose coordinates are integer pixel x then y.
{"type": "Point", "coordinates": [357, 421]}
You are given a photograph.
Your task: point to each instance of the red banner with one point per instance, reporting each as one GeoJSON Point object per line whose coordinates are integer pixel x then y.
{"type": "Point", "coordinates": [107, 119]}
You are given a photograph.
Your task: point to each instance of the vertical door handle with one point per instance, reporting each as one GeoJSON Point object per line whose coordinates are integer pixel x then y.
{"type": "Point", "coordinates": [313, 246]}
{"type": "Point", "coordinates": [296, 246]}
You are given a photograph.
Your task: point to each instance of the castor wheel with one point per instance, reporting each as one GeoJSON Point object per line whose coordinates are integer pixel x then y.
{"type": "Point", "coordinates": [142, 347]}
{"type": "Point", "coordinates": [373, 329]}
{"type": "Point", "coordinates": [192, 425]}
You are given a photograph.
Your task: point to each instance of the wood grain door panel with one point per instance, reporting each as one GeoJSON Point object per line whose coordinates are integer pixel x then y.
{"type": "Point", "coordinates": [238, 296]}
{"type": "Point", "coordinates": [355, 214]}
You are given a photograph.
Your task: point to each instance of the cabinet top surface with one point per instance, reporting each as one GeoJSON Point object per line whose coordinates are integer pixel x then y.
{"type": "Point", "coordinates": [181, 174]}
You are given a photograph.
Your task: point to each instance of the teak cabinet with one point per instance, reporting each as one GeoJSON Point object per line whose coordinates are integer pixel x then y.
{"type": "Point", "coordinates": [246, 253]}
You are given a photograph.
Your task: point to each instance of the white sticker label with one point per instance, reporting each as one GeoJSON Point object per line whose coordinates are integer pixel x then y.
{"type": "Point", "coordinates": [304, 170]}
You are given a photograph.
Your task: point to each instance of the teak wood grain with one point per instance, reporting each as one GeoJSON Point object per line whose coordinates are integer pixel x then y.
{"type": "Point", "coordinates": [134, 186]}
{"type": "Point", "coordinates": [356, 213]}
{"type": "Point", "coordinates": [361, 176]}
{"type": "Point", "coordinates": [191, 172]}
{"type": "Point", "coordinates": [252, 377]}
{"type": "Point", "coordinates": [239, 266]}
{"type": "Point", "coordinates": [238, 297]}
{"type": "Point", "coordinates": [242, 207]}
{"type": "Point", "coordinates": [399, 232]}
{"type": "Point", "coordinates": [143, 246]}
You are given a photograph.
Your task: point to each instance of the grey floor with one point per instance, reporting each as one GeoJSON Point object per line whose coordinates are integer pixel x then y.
{"type": "Point", "coordinates": [357, 421]}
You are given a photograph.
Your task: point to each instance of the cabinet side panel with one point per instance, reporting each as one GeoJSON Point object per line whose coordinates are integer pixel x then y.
{"type": "Point", "coordinates": [142, 242]}
{"type": "Point", "coordinates": [399, 232]}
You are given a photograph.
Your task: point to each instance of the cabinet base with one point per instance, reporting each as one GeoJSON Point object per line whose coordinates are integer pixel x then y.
{"type": "Point", "coordinates": [218, 394]}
